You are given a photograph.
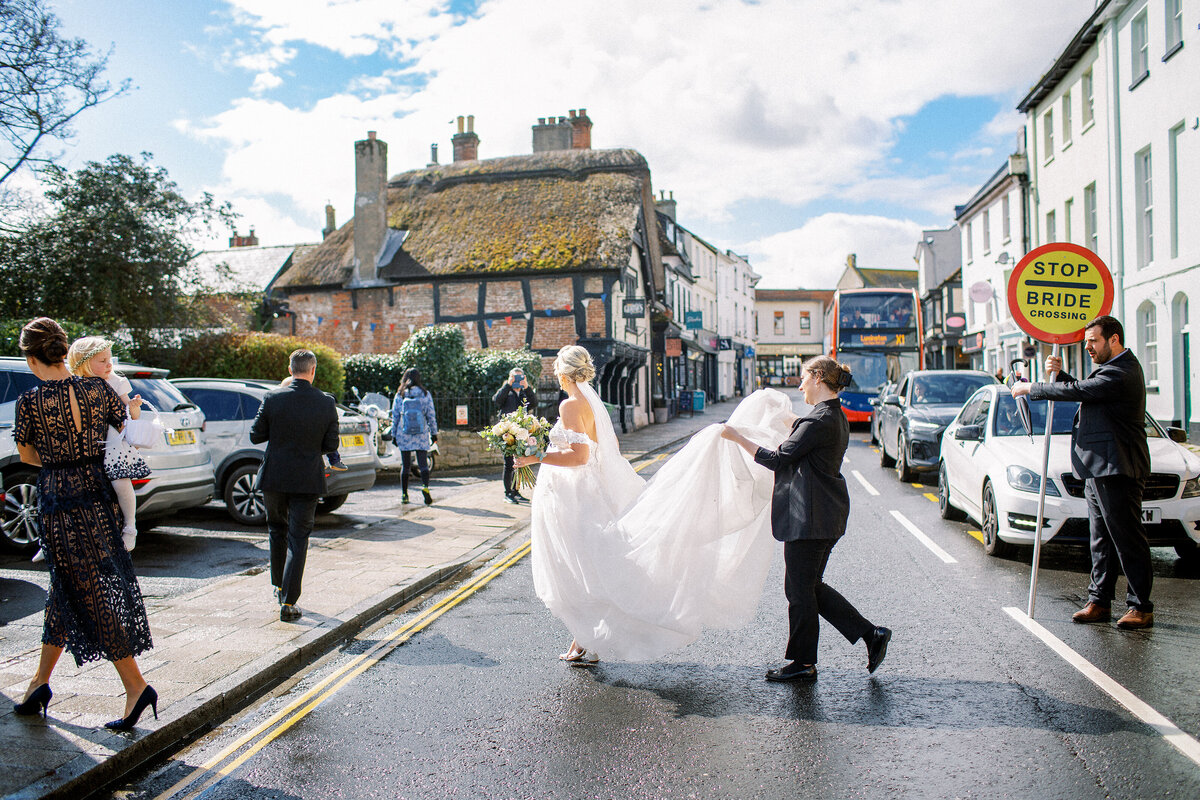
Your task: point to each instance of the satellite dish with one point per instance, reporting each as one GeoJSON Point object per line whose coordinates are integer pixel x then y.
{"type": "Point", "coordinates": [980, 291]}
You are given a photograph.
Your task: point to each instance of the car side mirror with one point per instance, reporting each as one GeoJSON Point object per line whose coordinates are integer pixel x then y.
{"type": "Point", "coordinates": [969, 433]}
{"type": "Point", "coordinates": [1177, 435]}
{"type": "Point", "coordinates": [892, 400]}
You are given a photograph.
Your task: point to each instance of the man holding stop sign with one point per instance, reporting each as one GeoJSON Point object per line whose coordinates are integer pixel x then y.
{"type": "Point", "coordinates": [1109, 453]}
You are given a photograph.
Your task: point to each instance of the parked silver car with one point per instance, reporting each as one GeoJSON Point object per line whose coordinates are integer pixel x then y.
{"type": "Point", "coordinates": [181, 472]}
{"type": "Point", "coordinates": [229, 406]}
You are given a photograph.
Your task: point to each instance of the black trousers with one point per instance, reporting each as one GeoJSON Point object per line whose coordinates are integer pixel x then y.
{"type": "Point", "coordinates": [1118, 541]}
{"type": "Point", "coordinates": [510, 472]}
{"type": "Point", "coordinates": [406, 465]}
{"type": "Point", "coordinates": [289, 523]}
{"type": "Point", "coordinates": [809, 598]}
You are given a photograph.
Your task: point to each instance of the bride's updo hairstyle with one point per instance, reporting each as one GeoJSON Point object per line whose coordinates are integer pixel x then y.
{"type": "Point", "coordinates": [575, 364]}
{"type": "Point", "coordinates": [834, 375]}
{"type": "Point", "coordinates": [44, 339]}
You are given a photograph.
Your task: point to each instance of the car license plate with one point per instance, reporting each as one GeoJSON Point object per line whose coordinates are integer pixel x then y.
{"type": "Point", "coordinates": [353, 440]}
{"type": "Point", "coordinates": [1151, 516]}
{"type": "Point", "coordinates": [181, 437]}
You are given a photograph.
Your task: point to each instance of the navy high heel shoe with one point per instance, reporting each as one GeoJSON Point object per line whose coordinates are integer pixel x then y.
{"type": "Point", "coordinates": [38, 700]}
{"type": "Point", "coordinates": [149, 697]}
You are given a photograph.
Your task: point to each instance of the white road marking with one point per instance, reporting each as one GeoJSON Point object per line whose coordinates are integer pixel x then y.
{"type": "Point", "coordinates": [871, 490]}
{"type": "Point", "coordinates": [1136, 706]}
{"type": "Point", "coordinates": [923, 539]}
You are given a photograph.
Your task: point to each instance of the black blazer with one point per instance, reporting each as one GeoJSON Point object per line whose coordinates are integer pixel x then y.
{"type": "Point", "coordinates": [1109, 434]}
{"type": "Point", "coordinates": [810, 500]}
{"type": "Point", "coordinates": [508, 400]}
{"type": "Point", "coordinates": [299, 423]}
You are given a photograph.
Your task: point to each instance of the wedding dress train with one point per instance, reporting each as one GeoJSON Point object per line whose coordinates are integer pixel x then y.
{"type": "Point", "coordinates": [638, 569]}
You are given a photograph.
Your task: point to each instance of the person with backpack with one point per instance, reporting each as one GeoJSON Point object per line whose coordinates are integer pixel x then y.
{"type": "Point", "coordinates": [513, 394]}
{"type": "Point", "coordinates": [414, 429]}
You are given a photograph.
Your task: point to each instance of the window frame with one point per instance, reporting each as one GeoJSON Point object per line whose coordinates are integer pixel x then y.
{"type": "Point", "coordinates": [1143, 193]}
{"type": "Point", "coordinates": [1139, 49]}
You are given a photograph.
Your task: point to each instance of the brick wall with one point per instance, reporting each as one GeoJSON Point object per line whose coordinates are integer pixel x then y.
{"type": "Point", "coordinates": [343, 319]}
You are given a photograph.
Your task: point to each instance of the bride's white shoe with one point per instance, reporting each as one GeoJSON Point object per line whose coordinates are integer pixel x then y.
{"type": "Point", "coordinates": [572, 655]}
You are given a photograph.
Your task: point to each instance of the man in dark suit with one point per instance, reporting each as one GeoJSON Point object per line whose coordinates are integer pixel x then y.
{"type": "Point", "coordinates": [299, 423]}
{"type": "Point", "coordinates": [1109, 453]}
{"type": "Point", "coordinates": [512, 394]}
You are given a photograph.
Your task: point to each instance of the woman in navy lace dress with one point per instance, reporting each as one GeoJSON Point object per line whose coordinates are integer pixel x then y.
{"type": "Point", "coordinates": [94, 607]}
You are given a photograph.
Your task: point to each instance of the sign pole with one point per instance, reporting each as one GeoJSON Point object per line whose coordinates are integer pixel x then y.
{"type": "Point", "coordinates": [1041, 512]}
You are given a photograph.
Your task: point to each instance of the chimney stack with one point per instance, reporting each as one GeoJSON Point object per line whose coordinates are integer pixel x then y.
{"type": "Point", "coordinates": [330, 224]}
{"type": "Point", "coordinates": [666, 204]}
{"type": "Point", "coordinates": [552, 133]}
{"type": "Point", "coordinates": [370, 205]}
{"type": "Point", "coordinates": [433, 154]}
{"type": "Point", "coordinates": [466, 143]}
{"type": "Point", "coordinates": [243, 241]}
{"type": "Point", "coordinates": [581, 133]}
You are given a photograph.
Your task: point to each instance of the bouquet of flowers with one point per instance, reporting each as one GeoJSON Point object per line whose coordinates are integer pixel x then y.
{"type": "Point", "coordinates": [519, 434]}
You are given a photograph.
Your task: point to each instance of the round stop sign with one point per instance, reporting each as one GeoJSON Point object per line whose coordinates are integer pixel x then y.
{"type": "Point", "coordinates": [1056, 289]}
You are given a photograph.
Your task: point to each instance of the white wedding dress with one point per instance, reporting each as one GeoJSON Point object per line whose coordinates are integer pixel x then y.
{"type": "Point", "coordinates": [636, 570]}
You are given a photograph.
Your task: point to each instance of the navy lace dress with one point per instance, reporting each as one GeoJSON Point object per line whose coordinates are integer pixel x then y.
{"type": "Point", "coordinates": [94, 608]}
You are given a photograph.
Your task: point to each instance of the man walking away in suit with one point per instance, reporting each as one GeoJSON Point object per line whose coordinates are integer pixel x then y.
{"type": "Point", "coordinates": [1109, 453]}
{"type": "Point", "coordinates": [513, 394]}
{"type": "Point", "coordinates": [298, 422]}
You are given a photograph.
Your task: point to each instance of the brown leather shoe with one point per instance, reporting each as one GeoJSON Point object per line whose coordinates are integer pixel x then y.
{"type": "Point", "coordinates": [1135, 620]}
{"type": "Point", "coordinates": [1092, 613]}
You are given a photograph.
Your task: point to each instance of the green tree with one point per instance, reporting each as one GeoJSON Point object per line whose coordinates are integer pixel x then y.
{"type": "Point", "coordinates": [46, 81]}
{"type": "Point", "coordinates": [114, 251]}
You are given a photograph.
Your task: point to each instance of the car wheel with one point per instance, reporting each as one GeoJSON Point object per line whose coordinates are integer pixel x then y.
{"type": "Point", "coordinates": [327, 505]}
{"type": "Point", "coordinates": [993, 545]}
{"type": "Point", "coordinates": [903, 472]}
{"type": "Point", "coordinates": [885, 460]}
{"type": "Point", "coordinates": [243, 499]}
{"type": "Point", "coordinates": [18, 518]}
{"type": "Point", "coordinates": [1188, 551]}
{"type": "Point", "coordinates": [944, 508]}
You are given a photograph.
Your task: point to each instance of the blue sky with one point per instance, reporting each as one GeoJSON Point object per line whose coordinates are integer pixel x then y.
{"type": "Point", "coordinates": [796, 131]}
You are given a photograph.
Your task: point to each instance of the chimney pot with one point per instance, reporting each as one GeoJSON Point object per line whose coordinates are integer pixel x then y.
{"type": "Point", "coordinates": [541, 120]}
{"type": "Point", "coordinates": [460, 124]}
{"type": "Point", "coordinates": [471, 123]}
{"type": "Point", "coordinates": [330, 224]}
{"type": "Point", "coordinates": [583, 112]}
{"type": "Point", "coordinates": [571, 113]}
{"type": "Point", "coordinates": [370, 136]}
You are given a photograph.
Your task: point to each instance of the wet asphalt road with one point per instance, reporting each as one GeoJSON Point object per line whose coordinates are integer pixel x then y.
{"type": "Point", "coordinates": [968, 703]}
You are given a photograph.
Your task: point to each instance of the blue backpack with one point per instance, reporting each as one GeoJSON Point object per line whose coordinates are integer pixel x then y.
{"type": "Point", "coordinates": [411, 415]}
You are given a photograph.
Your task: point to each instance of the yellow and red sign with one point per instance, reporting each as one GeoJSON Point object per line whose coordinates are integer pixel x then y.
{"type": "Point", "coordinates": [1058, 288]}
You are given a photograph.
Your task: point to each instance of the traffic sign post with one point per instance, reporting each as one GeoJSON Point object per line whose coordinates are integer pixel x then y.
{"type": "Point", "coordinates": [1053, 292]}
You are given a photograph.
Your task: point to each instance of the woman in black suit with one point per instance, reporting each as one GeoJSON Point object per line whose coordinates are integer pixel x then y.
{"type": "Point", "coordinates": [809, 507]}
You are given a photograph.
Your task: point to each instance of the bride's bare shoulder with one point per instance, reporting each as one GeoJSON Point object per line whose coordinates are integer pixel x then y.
{"type": "Point", "coordinates": [573, 408]}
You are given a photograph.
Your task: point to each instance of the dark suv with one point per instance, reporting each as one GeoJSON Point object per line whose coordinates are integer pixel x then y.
{"type": "Point", "coordinates": [181, 472]}
{"type": "Point", "coordinates": [911, 420]}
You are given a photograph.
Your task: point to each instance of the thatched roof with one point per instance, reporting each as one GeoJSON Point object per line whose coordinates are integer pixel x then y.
{"type": "Point", "coordinates": [571, 209]}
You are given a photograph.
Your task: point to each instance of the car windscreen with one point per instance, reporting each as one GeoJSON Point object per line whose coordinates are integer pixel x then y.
{"type": "Point", "coordinates": [1008, 419]}
{"type": "Point", "coordinates": [165, 396]}
{"type": "Point", "coordinates": [869, 371]}
{"type": "Point", "coordinates": [946, 390]}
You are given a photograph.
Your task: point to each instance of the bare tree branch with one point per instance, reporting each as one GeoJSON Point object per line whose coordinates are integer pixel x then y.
{"type": "Point", "coordinates": [46, 81]}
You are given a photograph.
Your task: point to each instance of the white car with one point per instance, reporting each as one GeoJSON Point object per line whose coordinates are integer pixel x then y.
{"type": "Point", "coordinates": [990, 469]}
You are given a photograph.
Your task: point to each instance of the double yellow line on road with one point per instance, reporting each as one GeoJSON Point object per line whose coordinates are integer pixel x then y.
{"type": "Point", "coordinates": [250, 743]}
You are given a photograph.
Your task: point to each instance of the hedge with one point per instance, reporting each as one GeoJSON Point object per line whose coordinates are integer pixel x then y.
{"type": "Point", "coordinates": [10, 332]}
{"type": "Point", "coordinates": [262, 356]}
{"type": "Point", "coordinates": [436, 354]}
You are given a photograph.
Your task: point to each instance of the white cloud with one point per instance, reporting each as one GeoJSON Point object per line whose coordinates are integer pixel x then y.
{"type": "Point", "coordinates": [813, 256]}
{"type": "Point", "coordinates": [265, 81]}
{"type": "Point", "coordinates": [776, 101]}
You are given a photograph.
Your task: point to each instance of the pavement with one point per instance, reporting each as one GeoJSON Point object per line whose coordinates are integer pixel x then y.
{"type": "Point", "coordinates": [218, 647]}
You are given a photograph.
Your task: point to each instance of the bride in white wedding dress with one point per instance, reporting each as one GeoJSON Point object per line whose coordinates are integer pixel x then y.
{"type": "Point", "coordinates": [634, 569]}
